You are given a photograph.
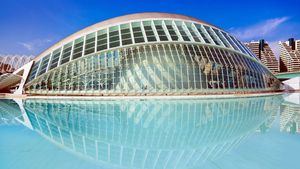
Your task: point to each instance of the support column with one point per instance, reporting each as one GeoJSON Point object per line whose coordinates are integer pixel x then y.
{"type": "Point", "coordinates": [26, 70]}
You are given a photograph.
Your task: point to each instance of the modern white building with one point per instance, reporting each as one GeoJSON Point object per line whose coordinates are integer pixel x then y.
{"type": "Point", "coordinates": [148, 54]}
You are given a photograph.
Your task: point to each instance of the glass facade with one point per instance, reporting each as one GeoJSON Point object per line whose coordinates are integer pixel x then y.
{"type": "Point", "coordinates": [151, 57]}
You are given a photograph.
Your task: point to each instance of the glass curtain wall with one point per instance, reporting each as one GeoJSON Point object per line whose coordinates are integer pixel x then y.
{"type": "Point", "coordinates": [158, 69]}
{"type": "Point", "coordinates": [137, 33]}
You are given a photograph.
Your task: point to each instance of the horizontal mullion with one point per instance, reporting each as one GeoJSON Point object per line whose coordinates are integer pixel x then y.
{"type": "Point", "coordinates": [102, 41]}
{"type": "Point", "coordinates": [77, 52]}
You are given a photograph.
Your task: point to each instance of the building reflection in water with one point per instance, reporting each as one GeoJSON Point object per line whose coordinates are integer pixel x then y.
{"type": "Point", "coordinates": [290, 114]}
{"type": "Point", "coordinates": [150, 133]}
{"type": "Point", "coordinates": [9, 110]}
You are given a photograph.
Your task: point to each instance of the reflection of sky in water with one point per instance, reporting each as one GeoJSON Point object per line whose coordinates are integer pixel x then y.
{"type": "Point", "coordinates": [215, 133]}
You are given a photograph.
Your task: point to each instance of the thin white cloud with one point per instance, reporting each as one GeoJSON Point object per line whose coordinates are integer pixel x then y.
{"type": "Point", "coordinates": [259, 30]}
{"type": "Point", "coordinates": [35, 44]}
{"type": "Point", "coordinates": [27, 46]}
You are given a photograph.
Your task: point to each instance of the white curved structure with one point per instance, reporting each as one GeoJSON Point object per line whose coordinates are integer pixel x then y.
{"type": "Point", "coordinates": [148, 54]}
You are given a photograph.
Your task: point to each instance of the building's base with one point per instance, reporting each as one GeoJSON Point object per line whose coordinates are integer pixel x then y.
{"type": "Point", "coordinates": [12, 96]}
{"type": "Point", "coordinates": [144, 96]}
{"type": "Point", "coordinates": [216, 96]}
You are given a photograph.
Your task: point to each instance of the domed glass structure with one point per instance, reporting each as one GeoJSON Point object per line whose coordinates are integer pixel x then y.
{"type": "Point", "coordinates": [149, 54]}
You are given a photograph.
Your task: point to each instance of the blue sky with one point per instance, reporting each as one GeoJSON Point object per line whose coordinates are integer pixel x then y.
{"type": "Point", "coordinates": [31, 26]}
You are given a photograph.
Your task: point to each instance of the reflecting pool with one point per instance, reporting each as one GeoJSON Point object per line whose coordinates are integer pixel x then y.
{"type": "Point", "coordinates": [243, 133]}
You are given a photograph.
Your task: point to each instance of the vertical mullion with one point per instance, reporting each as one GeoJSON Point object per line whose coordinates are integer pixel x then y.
{"type": "Point", "coordinates": [96, 41]}
{"type": "Point", "coordinates": [38, 69]}
{"type": "Point", "coordinates": [207, 35]}
{"type": "Point", "coordinates": [180, 38]}
{"type": "Point", "coordinates": [225, 39]}
{"type": "Point", "coordinates": [184, 26]}
{"type": "Point", "coordinates": [107, 38]}
{"type": "Point", "coordinates": [155, 31]}
{"type": "Point", "coordinates": [49, 62]}
{"type": "Point", "coordinates": [131, 32]}
{"type": "Point", "coordinates": [143, 32]}
{"type": "Point", "coordinates": [217, 37]}
{"type": "Point", "coordinates": [60, 56]}
{"type": "Point", "coordinates": [166, 30]}
{"type": "Point", "coordinates": [197, 32]}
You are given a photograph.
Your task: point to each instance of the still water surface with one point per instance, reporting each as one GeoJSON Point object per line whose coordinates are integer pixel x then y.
{"type": "Point", "coordinates": [233, 133]}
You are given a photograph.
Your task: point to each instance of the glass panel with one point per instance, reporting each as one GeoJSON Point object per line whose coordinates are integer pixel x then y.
{"type": "Point", "coordinates": [89, 44]}
{"type": "Point", "coordinates": [202, 33]}
{"type": "Point", "coordinates": [171, 30]}
{"type": "Point", "coordinates": [211, 34]}
{"type": "Point", "coordinates": [114, 38]}
{"type": "Point", "coordinates": [192, 32]}
{"type": "Point", "coordinates": [44, 65]}
{"type": "Point", "coordinates": [66, 53]}
{"type": "Point", "coordinates": [54, 59]}
{"type": "Point", "coordinates": [221, 37]}
{"type": "Point", "coordinates": [102, 40]}
{"type": "Point", "coordinates": [239, 45]}
{"type": "Point", "coordinates": [229, 40]}
{"type": "Point", "coordinates": [160, 31]}
{"type": "Point", "coordinates": [137, 32]}
{"type": "Point", "coordinates": [78, 47]}
{"type": "Point", "coordinates": [182, 32]}
{"type": "Point", "coordinates": [33, 70]}
{"type": "Point", "coordinates": [149, 31]}
{"type": "Point", "coordinates": [126, 34]}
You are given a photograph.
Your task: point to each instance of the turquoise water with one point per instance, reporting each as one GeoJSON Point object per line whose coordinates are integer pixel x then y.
{"type": "Point", "coordinates": [241, 133]}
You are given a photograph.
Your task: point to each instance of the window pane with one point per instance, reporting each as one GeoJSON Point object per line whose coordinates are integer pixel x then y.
{"type": "Point", "coordinates": [126, 34]}
{"type": "Point", "coordinates": [160, 31]}
{"type": "Point", "coordinates": [55, 58]}
{"type": "Point", "coordinates": [78, 47]}
{"type": "Point", "coordinates": [44, 65]}
{"type": "Point", "coordinates": [114, 39]}
{"type": "Point", "coordinates": [202, 33]}
{"type": "Point", "coordinates": [211, 34]}
{"type": "Point", "coordinates": [89, 44]}
{"type": "Point", "coordinates": [102, 40]}
{"type": "Point", "coordinates": [192, 32]}
{"type": "Point", "coordinates": [171, 31]}
{"type": "Point", "coordinates": [137, 32]}
{"type": "Point", "coordinates": [182, 31]}
{"type": "Point", "coordinates": [33, 71]}
{"type": "Point", "coordinates": [66, 53]}
{"type": "Point", "coordinates": [149, 31]}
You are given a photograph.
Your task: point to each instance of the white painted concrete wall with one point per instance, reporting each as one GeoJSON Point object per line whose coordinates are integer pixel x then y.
{"type": "Point", "coordinates": [292, 84]}
{"type": "Point", "coordinates": [26, 70]}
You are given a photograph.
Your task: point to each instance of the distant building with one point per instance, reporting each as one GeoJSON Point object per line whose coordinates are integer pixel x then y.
{"type": "Point", "coordinates": [263, 51]}
{"type": "Point", "coordinates": [290, 55]}
{"type": "Point", "coordinates": [9, 63]}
